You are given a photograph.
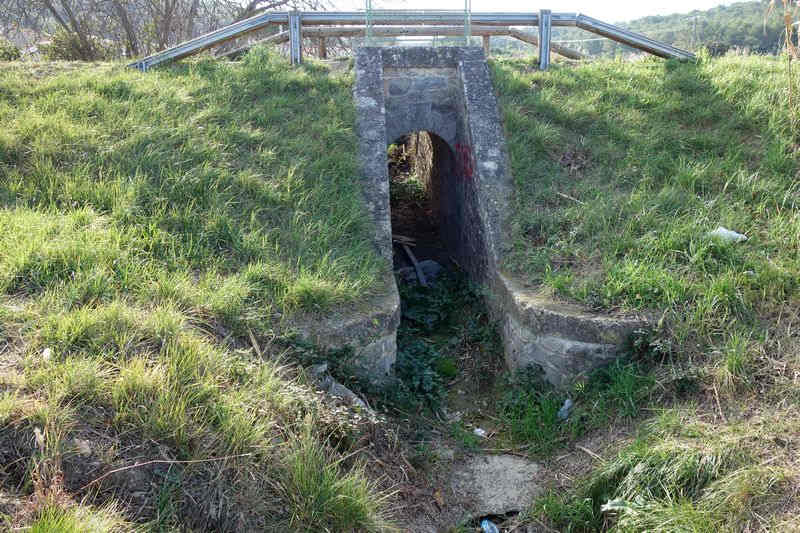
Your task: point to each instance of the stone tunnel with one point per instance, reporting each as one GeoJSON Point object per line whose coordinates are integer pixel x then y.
{"type": "Point", "coordinates": [448, 92]}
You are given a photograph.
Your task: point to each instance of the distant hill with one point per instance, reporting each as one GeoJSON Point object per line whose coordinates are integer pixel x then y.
{"type": "Point", "coordinates": [744, 25]}
{"type": "Point", "coordinates": [741, 25]}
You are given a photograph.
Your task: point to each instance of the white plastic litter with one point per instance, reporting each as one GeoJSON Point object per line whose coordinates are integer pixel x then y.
{"type": "Point", "coordinates": [480, 432]}
{"type": "Point", "coordinates": [727, 235]}
{"type": "Point", "coordinates": [488, 526]}
{"type": "Point", "coordinates": [563, 413]}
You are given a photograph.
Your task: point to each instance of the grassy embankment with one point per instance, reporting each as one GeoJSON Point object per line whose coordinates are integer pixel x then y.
{"type": "Point", "coordinates": [622, 170]}
{"type": "Point", "coordinates": [155, 229]}
{"type": "Point", "coordinates": [150, 223]}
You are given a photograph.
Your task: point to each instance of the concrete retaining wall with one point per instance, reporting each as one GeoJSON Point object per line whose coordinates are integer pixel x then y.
{"type": "Point", "coordinates": [448, 92]}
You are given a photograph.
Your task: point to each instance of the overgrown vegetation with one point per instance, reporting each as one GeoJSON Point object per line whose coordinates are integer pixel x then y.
{"type": "Point", "coordinates": [676, 478]}
{"type": "Point", "coordinates": [156, 230]}
{"type": "Point", "coordinates": [529, 408]}
{"type": "Point", "coordinates": [430, 321]}
{"type": "Point", "coordinates": [8, 51]}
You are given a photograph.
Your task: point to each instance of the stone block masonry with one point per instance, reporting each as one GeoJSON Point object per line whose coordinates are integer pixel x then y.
{"type": "Point", "coordinates": [445, 91]}
{"type": "Point", "coordinates": [448, 92]}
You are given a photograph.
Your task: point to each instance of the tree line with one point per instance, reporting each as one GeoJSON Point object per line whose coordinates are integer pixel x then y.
{"type": "Point", "coordinates": [750, 26]}
{"type": "Point", "coordinates": [756, 27]}
{"type": "Point", "coordinates": [105, 29]}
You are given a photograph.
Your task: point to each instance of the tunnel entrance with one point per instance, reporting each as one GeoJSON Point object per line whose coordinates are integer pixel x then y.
{"type": "Point", "coordinates": [460, 187]}
{"type": "Point", "coordinates": [418, 164]}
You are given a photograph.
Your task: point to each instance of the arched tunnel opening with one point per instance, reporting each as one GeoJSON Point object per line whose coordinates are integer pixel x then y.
{"type": "Point", "coordinates": [420, 165]}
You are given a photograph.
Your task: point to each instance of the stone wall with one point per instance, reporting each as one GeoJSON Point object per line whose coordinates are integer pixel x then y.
{"type": "Point", "coordinates": [431, 162]}
{"type": "Point", "coordinates": [448, 93]}
{"type": "Point", "coordinates": [442, 91]}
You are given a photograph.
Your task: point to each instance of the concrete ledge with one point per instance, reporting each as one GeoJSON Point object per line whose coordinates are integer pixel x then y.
{"type": "Point", "coordinates": [369, 329]}
{"type": "Point", "coordinates": [564, 340]}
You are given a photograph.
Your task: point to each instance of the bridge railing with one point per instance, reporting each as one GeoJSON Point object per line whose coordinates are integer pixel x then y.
{"type": "Point", "coordinates": [360, 23]}
{"type": "Point", "coordinates": [377, 18]}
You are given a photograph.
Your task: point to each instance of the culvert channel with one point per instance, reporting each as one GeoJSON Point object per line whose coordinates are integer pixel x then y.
{"type": "Point", "coordinates": [421, 166]}
{"type": "Point", "coordinates": [448, 93]}
{"type": "Point", "coordinates": [439, 103]}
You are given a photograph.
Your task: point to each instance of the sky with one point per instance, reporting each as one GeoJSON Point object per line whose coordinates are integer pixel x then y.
{"type": "Point", "coordinates": [611, 11]}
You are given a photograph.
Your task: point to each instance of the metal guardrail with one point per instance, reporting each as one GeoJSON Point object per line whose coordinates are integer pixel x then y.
{"type": "Point", "coordinates": [391, 17]}
{"type": "Point", "coordinates": [296, 20]}
{"type": "Point", "coordinates": [209, 40]}
{"type": "Point", "coordinates": [545, 23]}
{"type": "Point", "coordinates": [635, 40]}
{"type": "Point", "coordinates": [323, 32]}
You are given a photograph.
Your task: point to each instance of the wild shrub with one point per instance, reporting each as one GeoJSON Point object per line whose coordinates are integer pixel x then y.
{"type": "Point", "coordinates": [9, 51]}
{"type": "Point", "coordinates": [64, 46]}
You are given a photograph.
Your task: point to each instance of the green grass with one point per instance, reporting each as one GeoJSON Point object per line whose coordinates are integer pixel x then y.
{"type": "Point", "coordinates": [156, 231]}
{"type": "Point", "coordinates": [207, 186]}
{"type": "Point", "coordinates": [622, 169]}
{"type": "Point", "coordinates": [528, 408]}
{"type": "Point", "coordinates": [673, 478]}
{"type": "Point", "coordinates": [78, 519]}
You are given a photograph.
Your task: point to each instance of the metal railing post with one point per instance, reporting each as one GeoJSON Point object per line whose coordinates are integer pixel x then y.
{"type": "Point", "coordinates": [295, 38]}
{"type": "Point", "coordinates": [467, 21]}
{"type": "Point", "coordinates": [368, 23]}
{"type": "Point", "coordinates": [545, 21]}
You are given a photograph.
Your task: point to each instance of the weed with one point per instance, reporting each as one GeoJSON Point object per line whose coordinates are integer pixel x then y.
{"type": "Point", "coordinates": [529, 406]}
{"type": "Point", "coordinates": [321, 498]}
{"type": "Point", "coordinates": [572, 514]}
{"type": "Point", "coordinates": [465, 437]}
{"type": "Point", "coordinates": [79, 519]}
{"type": "Point", "coordinates": [431, 323]}
{"type": "Point", "coordinates": [674, 477]}
{"type": "Point", "coordinates": [736, 365]}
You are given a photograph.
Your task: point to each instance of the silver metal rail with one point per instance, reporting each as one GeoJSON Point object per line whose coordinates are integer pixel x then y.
{"type": "Point", "coordinates": [297, 20]}
{"type": "Point", "coordinates": [635, 40]}
{"type": "Point", "coordinates": [430, 17]}
{"type": "Point", "coordinates": [325, 32]}
{"type": "Point", "coordinates": [545, 22]}
{"type": "Point", "coordinates": [211, 39]}
{"type": "Point", "coordinates": [295, 38]}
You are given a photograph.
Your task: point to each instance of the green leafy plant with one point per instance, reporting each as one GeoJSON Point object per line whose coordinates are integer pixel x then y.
{"type": "Point", "coordinates": [529, 406]}
{"type": "Point", "coordinates": [65, 46]}
{"type": "Point", "coordinates": [9, 51]}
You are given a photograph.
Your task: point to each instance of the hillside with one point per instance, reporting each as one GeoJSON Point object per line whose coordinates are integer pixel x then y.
{"type": "Point", "coordinates": [155, 232]}
{"type": "Point", "coordinates": [160, 231]}
{"type": "Point", "coordinates": [622, 171]}
{"type": "Point", "coordinates": [744, 25]}
{"type": "Point", "coordinates": [741, 26]}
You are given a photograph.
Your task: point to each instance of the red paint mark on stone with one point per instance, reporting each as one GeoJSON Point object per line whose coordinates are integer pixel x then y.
{"type": "Point", "coordinates": [464, 154]}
